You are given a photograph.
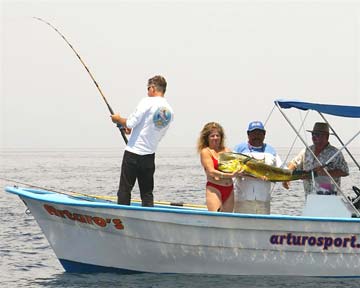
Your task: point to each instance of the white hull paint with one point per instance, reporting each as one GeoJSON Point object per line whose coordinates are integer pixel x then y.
{"type": "Point", "coordinates": [184, 240]}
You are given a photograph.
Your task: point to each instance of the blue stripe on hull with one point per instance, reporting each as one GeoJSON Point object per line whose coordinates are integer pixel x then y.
{"type": "Point", "coordinates": [78, 267]}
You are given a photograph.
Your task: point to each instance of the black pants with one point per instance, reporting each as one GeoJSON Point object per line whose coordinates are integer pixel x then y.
{"type": "Point", "coordinates": [142, 168]}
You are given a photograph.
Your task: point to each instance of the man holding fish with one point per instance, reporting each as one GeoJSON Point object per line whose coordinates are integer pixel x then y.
{"type": "Point", "coordinates": [252, 195]}
{"type": "Point", "coordinates": [337, 167]}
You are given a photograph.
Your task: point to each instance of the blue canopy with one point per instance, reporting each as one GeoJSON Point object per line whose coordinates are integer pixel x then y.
{"type": "Point", "coordinates": [337, 110]}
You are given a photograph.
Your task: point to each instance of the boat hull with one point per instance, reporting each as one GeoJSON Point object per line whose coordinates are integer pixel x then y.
{"type": "Point", "coordinates": [97, 236]}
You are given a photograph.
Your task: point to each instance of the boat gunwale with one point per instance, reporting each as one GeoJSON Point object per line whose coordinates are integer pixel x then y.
{"type": "Point", "coordinates": [77, 201]}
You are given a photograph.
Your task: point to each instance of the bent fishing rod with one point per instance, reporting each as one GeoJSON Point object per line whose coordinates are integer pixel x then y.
{"type": "Point", "coordinates": [121, 128]}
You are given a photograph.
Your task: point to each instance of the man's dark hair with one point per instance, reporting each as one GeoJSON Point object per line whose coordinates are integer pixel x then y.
{"type": "Point", "coordinates": [159, 82]}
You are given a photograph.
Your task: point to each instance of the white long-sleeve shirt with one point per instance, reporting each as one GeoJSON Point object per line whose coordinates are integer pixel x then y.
{"type": "Point", "coordinates": [149, 123]}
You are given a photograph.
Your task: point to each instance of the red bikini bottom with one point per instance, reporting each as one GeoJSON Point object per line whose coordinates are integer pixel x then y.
{"type": "Point", "coordinates": [225, 191]}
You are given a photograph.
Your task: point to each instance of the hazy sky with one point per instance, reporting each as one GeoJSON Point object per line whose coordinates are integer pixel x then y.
{"type": "Point", "coordinates": [225, 61]}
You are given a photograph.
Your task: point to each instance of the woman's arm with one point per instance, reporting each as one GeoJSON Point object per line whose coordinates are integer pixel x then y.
{"type": "Point", "coordinates": [208, 164]}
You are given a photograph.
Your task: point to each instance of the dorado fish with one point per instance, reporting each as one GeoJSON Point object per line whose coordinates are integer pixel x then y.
{"type": "Point", "coordinates": [230, 162]}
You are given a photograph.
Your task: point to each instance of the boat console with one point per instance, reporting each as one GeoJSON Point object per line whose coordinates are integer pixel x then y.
{"type": "Point", "coordinates": [326, 206]}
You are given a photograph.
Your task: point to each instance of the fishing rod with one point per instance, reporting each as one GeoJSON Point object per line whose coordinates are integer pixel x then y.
{"type": "Point", "coordinates": [121, 128]}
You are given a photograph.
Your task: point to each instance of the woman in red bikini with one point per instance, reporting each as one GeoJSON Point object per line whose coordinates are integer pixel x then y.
{"type": "Point", "coordinates": [219, 186]}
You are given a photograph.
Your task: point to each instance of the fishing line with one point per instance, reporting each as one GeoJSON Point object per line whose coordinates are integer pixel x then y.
{"type": "Point", "coordinates": [296, 136]}
{"type": "Point", "coordinates": [103, 198]}
{"type": "Point", "coordinates": [293, 144]}
{"type": "Point", "coordinates": [267, 119]}
{"type": "Point", "coordinates": [65, 192]}
{"type": "Point", "coordinates": [121, 128]}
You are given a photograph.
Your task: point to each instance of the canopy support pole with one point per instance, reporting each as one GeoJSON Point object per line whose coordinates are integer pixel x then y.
{"type": "Point", "coordinates": [343, 145]}
{"type": "Point", "coordinates": [357, 212]}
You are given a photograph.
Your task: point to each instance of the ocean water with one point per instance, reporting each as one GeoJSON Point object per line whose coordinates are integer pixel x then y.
{"type": "Point", "coordinates": [27, 260]}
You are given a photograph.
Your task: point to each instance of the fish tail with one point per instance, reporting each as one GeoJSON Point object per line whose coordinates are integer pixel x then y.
{"type": "Point", "coordinates": [300, 174]}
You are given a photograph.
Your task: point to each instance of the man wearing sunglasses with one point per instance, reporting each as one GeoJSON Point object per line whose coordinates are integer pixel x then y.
{"type": "Point", "coordinates": [147, 124]}
{"type": "Point", "coordinates": [305, 160]}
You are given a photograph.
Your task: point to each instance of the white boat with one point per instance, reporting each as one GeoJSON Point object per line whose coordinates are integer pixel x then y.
{"type": "Point", "coordinates": [89, 234]}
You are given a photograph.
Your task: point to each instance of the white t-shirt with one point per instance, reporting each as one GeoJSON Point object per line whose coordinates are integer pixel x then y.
{"type": "Point", "coordinates": [148, 122]}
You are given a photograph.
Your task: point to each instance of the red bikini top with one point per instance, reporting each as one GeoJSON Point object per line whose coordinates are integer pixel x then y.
{"type": "Point", "coordinates": [215, 161]}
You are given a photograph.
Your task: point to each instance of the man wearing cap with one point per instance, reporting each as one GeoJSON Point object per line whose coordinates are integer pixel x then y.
{"type": "Point", "coordinates": [252, 195]}
{"type": "Point", "coordinates": [323, 151]}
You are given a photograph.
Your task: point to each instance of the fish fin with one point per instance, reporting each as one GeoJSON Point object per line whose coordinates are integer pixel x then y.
{"type": "Point", "coordinates": [247, 160]}
{"type": "Point", "coordinates": [241, 154]}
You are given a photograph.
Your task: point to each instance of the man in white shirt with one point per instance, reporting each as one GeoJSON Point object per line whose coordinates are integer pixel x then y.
{"type": "Point", "coordinates": [252, 195]}
{"type": "Point", "coordinates": [148, 124]}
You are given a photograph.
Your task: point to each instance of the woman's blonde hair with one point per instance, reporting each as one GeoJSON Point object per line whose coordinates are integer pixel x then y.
{"type": "Point", "coordinates": [203, 140]}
